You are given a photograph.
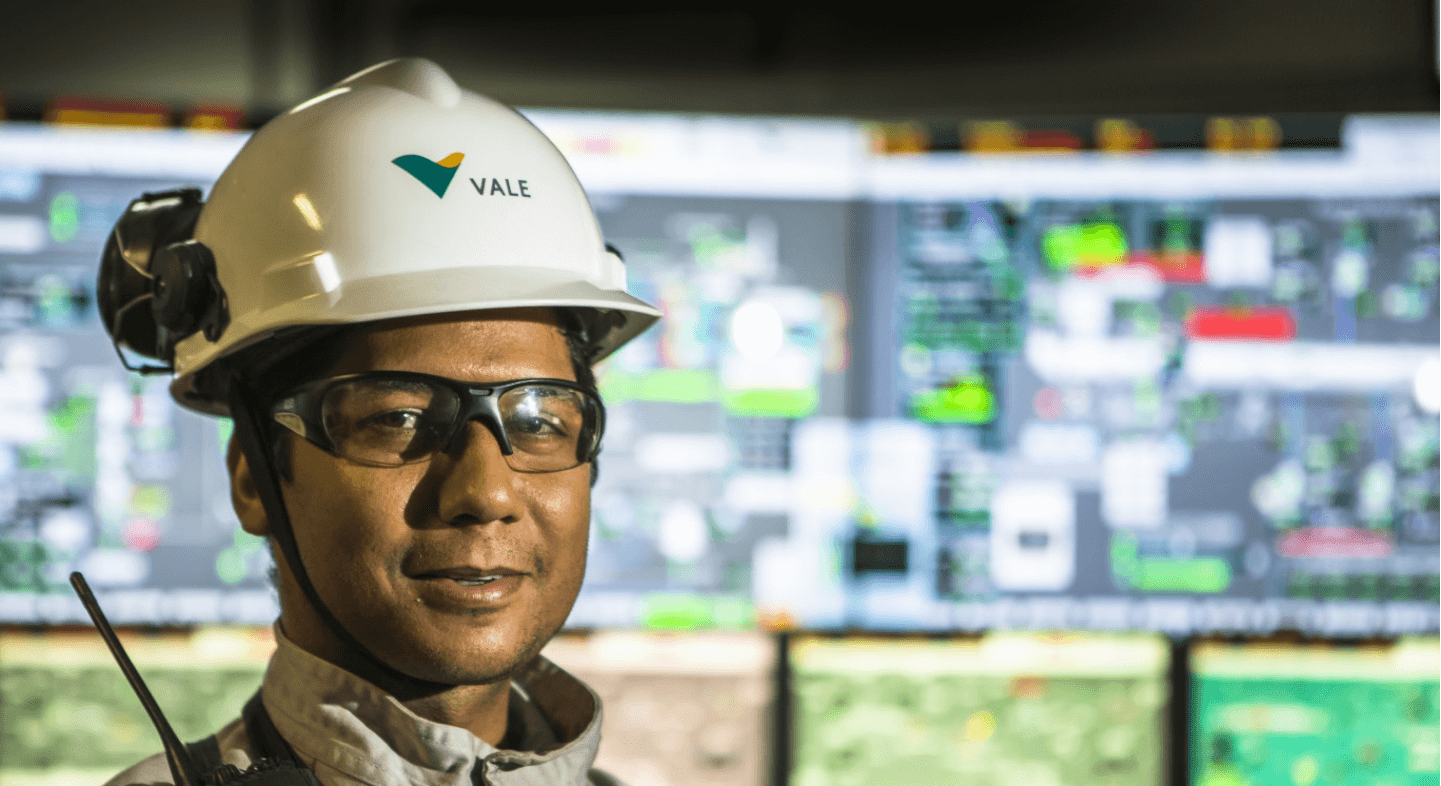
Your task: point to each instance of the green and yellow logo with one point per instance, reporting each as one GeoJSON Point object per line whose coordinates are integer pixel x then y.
{"type": "Point", "coordinates": [434, 175]}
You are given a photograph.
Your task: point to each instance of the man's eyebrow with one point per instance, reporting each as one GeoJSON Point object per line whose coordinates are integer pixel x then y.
{"type": "Point", "coordinates": [394, 384]}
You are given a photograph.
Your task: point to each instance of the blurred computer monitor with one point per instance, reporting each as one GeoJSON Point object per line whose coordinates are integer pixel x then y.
{"type": "Point", "coordinates": [1277, 712]}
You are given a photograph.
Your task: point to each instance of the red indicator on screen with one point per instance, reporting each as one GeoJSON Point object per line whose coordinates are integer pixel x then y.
{"type": "Point", "coordinates": [141, 535]}
{"type": "Point", "coordinates": [1256, 324]}
{"type": "Point", "coordinates": [1050, 403]}
{"type": "Point", "coordinates": [1186, 267]}
{"type": "Point", "coordinates": [1172, 268]}
{"type": "Point", "coordinates": [1333, 542]}
{"type": "Point", "coordinates": [1050, 142]}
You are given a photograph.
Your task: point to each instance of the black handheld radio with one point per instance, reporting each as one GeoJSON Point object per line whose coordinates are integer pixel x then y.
{"type": "Point", "coordinates": [281, 771]}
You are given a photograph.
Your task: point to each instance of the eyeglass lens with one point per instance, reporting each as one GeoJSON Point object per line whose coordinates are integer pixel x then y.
{"type": "Point", "coordinates": [390, 422]}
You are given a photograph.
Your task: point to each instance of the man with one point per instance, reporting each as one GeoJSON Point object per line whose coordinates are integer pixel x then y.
{"type": "Point", "coordinates": [396, 290]}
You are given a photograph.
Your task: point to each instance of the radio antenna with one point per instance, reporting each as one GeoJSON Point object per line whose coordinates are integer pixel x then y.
{"type": "Point", "coordinates": [181, 766]}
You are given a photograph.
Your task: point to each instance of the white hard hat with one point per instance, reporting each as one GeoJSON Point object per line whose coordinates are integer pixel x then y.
{"type": "Point", "coordinates": [396, 193]}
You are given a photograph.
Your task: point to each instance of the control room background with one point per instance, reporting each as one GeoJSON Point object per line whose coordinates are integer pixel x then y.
{"type": "Point", "coordinates": [1048, 392]}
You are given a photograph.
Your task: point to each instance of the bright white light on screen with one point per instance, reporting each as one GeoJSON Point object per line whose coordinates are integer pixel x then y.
{"type": "Point", "coordinates": [757, 330]}
{"type": "Point", "coordinates": [678, 454]}
{"type": "Point", "coordinates": [66, 529]}
{"type": "Point", "coordinates": [21, 234]}
{"type": "Point", "coordinates": [1427, 386]}
{"type": "Point", "coordinates": [115, 567]}
{"type": "Point", "coordinates": [1238, 252]}
{"type": "Point", "coordinates": [683, 533]}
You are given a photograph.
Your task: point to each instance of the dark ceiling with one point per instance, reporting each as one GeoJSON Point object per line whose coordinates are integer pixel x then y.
{"type": "Point", "coordinates": [907, 60]}
{"type": "Point", "coordinates": [876, 60]}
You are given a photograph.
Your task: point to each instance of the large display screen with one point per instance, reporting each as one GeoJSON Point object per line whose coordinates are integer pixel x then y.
{"type": "Point", "coordinates": [1176, 391]}
{"type": "Point", "coordinates": [1061, 710]}
{"type": "Point", "coordinates": [1276, 712]}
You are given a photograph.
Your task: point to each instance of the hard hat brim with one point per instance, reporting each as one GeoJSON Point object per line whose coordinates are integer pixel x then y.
{"type": "Point", "coordinates": [453, 290]}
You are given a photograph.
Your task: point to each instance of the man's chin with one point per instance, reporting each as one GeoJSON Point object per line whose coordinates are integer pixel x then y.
{"type": "Point", "coordinates": [486, 663]}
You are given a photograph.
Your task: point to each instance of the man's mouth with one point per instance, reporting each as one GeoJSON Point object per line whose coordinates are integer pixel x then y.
{"type": "Point", "coordinates": [468, 589]}
{"type": "Point", "coordinates": [476, 582]}
{"type": "Point", "coordinates": [470, 577]}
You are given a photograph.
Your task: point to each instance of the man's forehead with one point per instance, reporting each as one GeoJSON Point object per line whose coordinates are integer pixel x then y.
{"type": "Point", "coordinates": [492, 336]}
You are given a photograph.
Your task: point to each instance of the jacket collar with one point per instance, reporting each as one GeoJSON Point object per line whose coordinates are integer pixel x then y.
{"type": "Point", "coordinates": [342, 724]}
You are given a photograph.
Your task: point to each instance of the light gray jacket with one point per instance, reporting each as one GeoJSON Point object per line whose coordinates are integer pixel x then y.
{"type": "Point", "coordinates": [350, 732]}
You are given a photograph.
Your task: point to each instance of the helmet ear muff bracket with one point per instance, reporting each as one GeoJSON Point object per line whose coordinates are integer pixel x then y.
{"type": "Point", "coordinates": [157, 284]}
{"type": "Point", "coordinates": [188, 298]}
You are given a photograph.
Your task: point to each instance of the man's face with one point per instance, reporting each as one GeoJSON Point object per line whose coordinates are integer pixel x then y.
{"type": "Point", "coordinates": [385, 546]}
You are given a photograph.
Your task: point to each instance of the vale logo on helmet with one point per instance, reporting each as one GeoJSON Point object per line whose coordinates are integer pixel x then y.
{"type": "Point", "coordinates": [437, 175]}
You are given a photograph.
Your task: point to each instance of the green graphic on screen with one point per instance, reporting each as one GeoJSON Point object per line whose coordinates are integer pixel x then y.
{"type": "Point", "coordinates": [1274, 715]}
{"type": "Point", "coordinates": [1052, 710]}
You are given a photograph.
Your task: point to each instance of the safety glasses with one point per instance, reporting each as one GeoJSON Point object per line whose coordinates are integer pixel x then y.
{"type": "Point", "coordinates": [392, 418]}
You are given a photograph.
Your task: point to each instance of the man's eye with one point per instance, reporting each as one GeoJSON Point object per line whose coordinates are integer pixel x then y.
{"type": "Point", "coordinates": [535, 426]}
{"type": "Point", "coordinates": [399, 419]}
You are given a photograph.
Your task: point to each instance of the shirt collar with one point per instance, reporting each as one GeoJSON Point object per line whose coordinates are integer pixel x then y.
{"type": "Point", "coordinates": [345, 724]}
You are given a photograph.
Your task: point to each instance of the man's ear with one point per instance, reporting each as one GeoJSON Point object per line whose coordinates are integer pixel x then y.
{"type": "Point", "coordinates": [243, 495]}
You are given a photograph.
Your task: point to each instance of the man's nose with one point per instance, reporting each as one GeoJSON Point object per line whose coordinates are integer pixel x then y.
{"type": "Point", "coordinates": [478, 484]}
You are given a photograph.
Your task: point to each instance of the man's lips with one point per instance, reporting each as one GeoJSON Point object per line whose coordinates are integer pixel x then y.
{"type": "Point", "coordinates": [469, 589]}
{"type": "Point", "coordinates": [466, 573]}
